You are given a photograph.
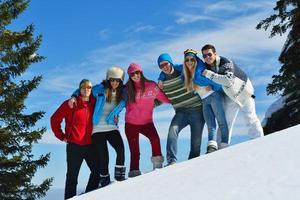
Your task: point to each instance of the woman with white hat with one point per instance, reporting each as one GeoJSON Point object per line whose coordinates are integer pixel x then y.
{"type": "Point", "coordinates": [110, 100]}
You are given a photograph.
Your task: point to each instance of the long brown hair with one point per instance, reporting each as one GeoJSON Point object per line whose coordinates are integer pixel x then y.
{"type": "Point", "coordinates": [131, 91]}
{"type": "Point", "coordinates": [108, 91]}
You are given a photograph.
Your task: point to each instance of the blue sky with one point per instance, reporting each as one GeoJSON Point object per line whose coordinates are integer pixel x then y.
{"type": "Point", "coordinates": [81, 39]}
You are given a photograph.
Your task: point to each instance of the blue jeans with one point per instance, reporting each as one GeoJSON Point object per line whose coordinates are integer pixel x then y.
{"type": "Point", "coordinates": [180, 120]}
{"type": "Point", "coordinates": [213, 108]}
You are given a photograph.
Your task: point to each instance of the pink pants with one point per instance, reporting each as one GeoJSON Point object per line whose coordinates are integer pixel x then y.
{"type": "Point", "coordinates": [132, 133]}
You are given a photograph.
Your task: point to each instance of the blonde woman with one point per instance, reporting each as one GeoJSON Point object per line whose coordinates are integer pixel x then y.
{"type": "Point", "coordinates": [212, 98]}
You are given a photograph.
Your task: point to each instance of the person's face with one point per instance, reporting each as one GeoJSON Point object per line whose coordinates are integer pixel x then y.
{"type": "Point", "coordinates": [85, 91]}
{"type": "Point", "coordinates": [166, 67]}
{"type": "Point", "coordinates": [135, 76]}
{"type": "Point", "coordinates": [114, 83]}
{"type": "Point", "coordinates": [190, 62]}
{"type": "Point", "coordinates": [209, 56]}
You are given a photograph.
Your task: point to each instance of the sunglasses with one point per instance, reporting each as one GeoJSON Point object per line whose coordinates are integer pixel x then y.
{"type": "Point", "coordinates": [115, 79]}
{"type": "Point", "coordinates": [207, 55]}
{"type": "Point", "coordinates": [134, 73]}
{"type": "Point", "coordinates": [190, 60]}
{"type": "Point", "coordinates": [86, 87]}
{"type": "Point", "coordinates": [163, 65]}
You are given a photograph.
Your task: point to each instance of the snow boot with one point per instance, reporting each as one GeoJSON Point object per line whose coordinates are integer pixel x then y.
{"type": "Point", "coordinates": [212, 146]}
{"type": "Point", "coordinates": [134, 173]}
{"type": "Point", "coordinates": [120, 173]}
{"type": "Point", "coordinates": [104, 180]}
{"type": "Point", "coordinates": [157, 162]}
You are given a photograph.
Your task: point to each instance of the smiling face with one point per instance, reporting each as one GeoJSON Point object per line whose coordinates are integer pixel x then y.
{"type": "Point", "coordinates": [190, 62]}
{"type": "Point", "coordinates": [85, 92]}
{"type": "Point", "coordinates": [209, 56]}
{"type": "Point", "coordinates": [166, 67]}
{"type": "Point", "coordinates": [135, 76]}
{"type": "Point", "coordinates": [114, 83]}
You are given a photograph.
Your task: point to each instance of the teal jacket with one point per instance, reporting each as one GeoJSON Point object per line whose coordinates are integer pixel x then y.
{"type": "Point", "coordinates": [98, 91]}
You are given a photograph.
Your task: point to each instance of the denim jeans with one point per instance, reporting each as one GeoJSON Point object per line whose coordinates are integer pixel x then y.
{"type": "Point", "coordinates": [180, 120]}
{"type": "Point", "coordinates": [213, 108]}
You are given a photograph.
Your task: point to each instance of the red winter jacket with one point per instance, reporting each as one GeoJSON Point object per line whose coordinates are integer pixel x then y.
{"type": "Point", "coordinates": [78, 122]}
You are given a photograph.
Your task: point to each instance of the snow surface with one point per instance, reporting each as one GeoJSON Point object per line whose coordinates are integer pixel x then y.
{"type": "Point", "coordinates": [275, 106]}
{"type": "Point", "coordinates": [267, 168]}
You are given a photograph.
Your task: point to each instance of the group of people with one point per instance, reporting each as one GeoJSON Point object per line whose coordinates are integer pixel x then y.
{"type": "Point", "coordinates": [200, 92]}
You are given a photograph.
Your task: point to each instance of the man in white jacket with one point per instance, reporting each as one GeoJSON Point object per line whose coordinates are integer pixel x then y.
{"type": "Point", "coordinates": [237, 87]}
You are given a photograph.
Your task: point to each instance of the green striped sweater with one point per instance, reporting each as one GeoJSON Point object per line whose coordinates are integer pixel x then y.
{"type": "Point", "coordinates": [181, 99]}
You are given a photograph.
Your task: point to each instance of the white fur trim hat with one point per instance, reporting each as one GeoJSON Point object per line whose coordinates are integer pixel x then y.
{"type": "Point", "coordinates": [115, 72]}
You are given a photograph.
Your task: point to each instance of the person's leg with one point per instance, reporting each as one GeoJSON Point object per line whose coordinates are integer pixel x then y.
{"type": "Point", "coordinates": [231, 110]}
{"type": "Point", "coordinates": [74, 160]}
{"type": "Point", "coordinates": [254, 126]}
{"type": "Point", "coordinates": [115, 140]}
{"type": "Point", "coordinates": [209, 117]}
{"type": "Point", "coordinates": [100, 145]}
{"type": "Point", "coordinates": [196, 121]}
{"type": "Point", "coordinates": [93, 162]}
{"type": "Point", "coordinates": [132, 133]}
{"type": "Point", "coordinates": [150, 132]}
{"type": "Point", "coordinates": [178, 122]}
{"type": "Point", "coordinates": [218, 109]}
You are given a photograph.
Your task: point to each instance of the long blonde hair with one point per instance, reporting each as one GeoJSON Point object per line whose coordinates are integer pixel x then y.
{"type": "Point", "coordinates": [189, 75]}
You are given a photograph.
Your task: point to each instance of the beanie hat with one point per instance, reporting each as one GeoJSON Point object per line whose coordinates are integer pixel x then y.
{"type": "Point", "coordinates": [164, 57]}
{"type": "Point", "coordinates": [84, 83]}
{"type": "Point", "coordinates": [190, 52]}
{"type": "Point", "coordinates": [133, 67]}
{"type": "Point", "coordinates": [115, 72]}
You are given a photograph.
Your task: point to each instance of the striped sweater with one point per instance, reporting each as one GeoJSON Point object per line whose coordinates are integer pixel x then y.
{"type": "Point", "coordinates": [181, 99]}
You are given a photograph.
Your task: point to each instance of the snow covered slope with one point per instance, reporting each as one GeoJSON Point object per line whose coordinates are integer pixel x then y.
{"type": "Point", "coordinates": [267, 168]}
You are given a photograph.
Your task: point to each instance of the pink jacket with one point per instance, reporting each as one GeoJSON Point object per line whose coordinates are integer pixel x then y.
{"type": "Point", "coordinates": [141, 111]}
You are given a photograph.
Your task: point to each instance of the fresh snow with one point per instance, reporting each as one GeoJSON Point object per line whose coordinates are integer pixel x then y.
{"type": "Point", "coordinates": [267, 168]}
{"type": "Point", "coordinates": [278, 104]}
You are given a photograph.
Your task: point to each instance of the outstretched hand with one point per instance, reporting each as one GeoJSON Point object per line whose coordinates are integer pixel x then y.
{"type": "Point", "coordinates": [204, 72]}
{"type": "Point", "coordinates": [72, 102]}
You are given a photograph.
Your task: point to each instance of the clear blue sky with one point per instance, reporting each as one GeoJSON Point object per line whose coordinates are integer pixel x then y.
{"type": "Point", "coordinates": [81, 39]}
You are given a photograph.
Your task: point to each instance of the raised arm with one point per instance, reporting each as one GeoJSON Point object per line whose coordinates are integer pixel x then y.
{"type": "Point", "coordinates": [225, 79]}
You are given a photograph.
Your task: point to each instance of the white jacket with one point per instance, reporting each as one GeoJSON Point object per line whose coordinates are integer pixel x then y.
{"type": "Point", "coordinates": [234, 81]}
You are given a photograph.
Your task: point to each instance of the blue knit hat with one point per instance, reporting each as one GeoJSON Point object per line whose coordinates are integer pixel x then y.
{"type": "Point", "coordinates": [164, 57]}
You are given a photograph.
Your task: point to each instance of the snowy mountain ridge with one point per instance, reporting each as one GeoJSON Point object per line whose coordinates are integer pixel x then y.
{"type": "Point", "coordinates": [264, 168]}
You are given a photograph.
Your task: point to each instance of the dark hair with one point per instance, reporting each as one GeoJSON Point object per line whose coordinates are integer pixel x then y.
{"type": "Point", "coordinates": [131, 89]}
{"type": "Point", "coordinates": [119, 91]}
{"type": "Point", "coordinates": [209, 46]}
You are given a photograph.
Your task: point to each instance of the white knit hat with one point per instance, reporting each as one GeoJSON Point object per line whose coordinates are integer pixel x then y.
{"type": "Point", "coordinates": [115, 72]}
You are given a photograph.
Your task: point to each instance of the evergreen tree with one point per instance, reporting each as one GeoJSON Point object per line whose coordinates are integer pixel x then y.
{"type": "Point", "coordinates": [17, 133]}
{"type": "Point", "coordinates": [287, 82]}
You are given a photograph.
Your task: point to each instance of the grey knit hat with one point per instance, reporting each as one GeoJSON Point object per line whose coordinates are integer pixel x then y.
{"type": "Point", "coordinates": [115, 72]}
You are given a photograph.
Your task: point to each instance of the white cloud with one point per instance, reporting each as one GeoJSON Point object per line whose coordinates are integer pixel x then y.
{"type": "Point", "coordinates": [185, 18]}
{"type": "Point", "coordinates": [144, 28]}
{"type": "Point", "coordinates": [137, 28]}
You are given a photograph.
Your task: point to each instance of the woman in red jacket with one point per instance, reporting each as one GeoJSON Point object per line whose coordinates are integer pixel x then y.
{"type": "Point", "coordinates": [77, 135]}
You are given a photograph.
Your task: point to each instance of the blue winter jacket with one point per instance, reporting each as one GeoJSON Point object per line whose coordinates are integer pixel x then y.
{"type": "Point", "coordinates": [98, 91]}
